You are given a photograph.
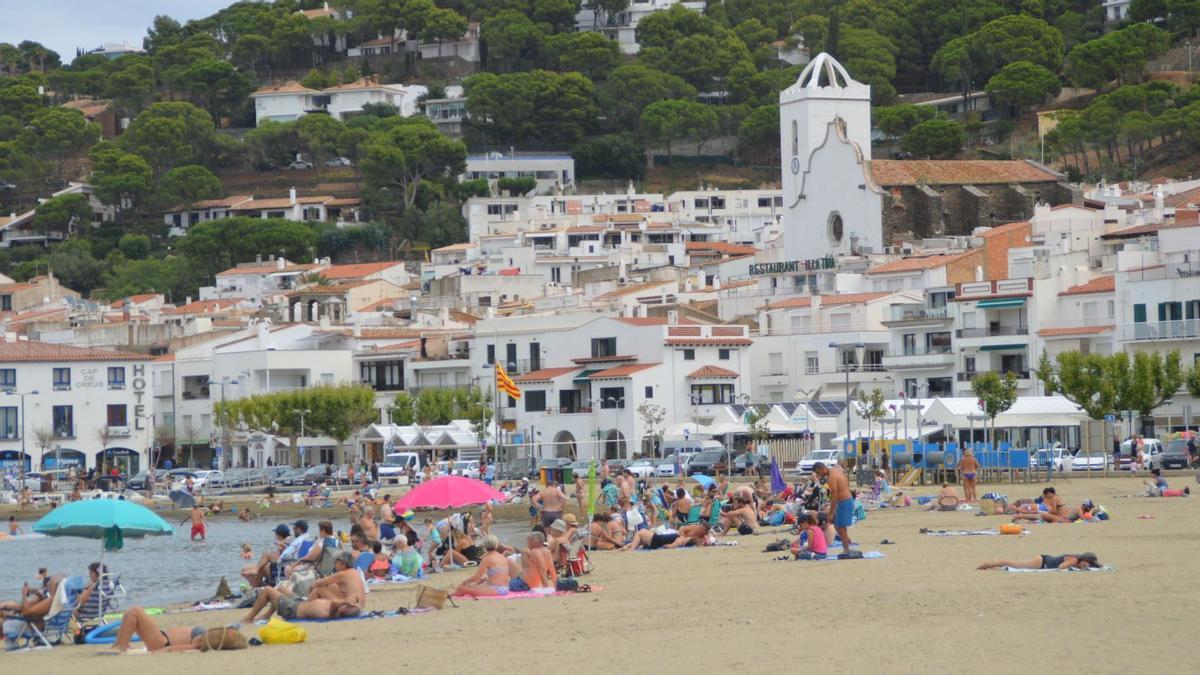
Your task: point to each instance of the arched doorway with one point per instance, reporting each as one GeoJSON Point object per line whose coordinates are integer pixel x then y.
{"type": "Point", "coordinates": [614, 445]}
{"type": "Point", "coordinates": [126, 460]}
{"type": "Point", "coordinates": [564, 445]}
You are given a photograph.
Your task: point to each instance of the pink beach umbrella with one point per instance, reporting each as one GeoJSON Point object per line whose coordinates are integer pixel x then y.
{"type": "Point", "coordinates": [448, 492]}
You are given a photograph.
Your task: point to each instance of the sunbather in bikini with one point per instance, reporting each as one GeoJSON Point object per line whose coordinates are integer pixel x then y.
{"type": "Point", "coordinates": [1081, 561]}
{"type": "Point", "coordinates": [1055, 511]}
{"type": "Point", "coordinates": [137, 622]}
{"type": "Point", "coordinates": [492, 577]}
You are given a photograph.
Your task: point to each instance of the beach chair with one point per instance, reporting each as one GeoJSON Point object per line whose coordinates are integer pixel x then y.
{"type": "Point", "coordinates": [577, 562]}
{"type": "Point", "coordinates": [21, 633]}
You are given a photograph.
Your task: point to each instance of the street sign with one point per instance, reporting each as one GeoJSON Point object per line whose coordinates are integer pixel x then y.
{"type": "Point", "coordinates": [1110, 418]}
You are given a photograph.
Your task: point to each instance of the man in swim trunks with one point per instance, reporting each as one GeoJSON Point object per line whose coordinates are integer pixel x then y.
{"type": "Point", "coordinates": [289, 607]}
{"type": "Point", "coordinates": [550, 502]}
{"type": "Point", "coordinates": [536, 569]}
{"type": "Point", "coordinates": [198, 523]}
{"type": "Point", "coordinates": [841, 504]}
{"type": "Point", "coordinates": [344, 585]}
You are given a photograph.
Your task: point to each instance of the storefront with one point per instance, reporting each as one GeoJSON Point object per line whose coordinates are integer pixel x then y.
{"type": "Point", "coordinates": [125, 460]}
{"type": "Point", "coordinates": [64, 458]}
{"type": "Point", "coordinates": [12, 460]}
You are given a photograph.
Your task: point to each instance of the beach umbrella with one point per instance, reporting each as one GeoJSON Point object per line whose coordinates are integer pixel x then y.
{"type": "Point", "coordinates": [111, 520]}
{"type": "Point", "coordinates": [777, 482]}
{"type": "Point", "coordinates": [704, 481]}
{"type": "Point", "coordinates": [182, 499]}
{"type": "Point", "coordinates": [448, 492]}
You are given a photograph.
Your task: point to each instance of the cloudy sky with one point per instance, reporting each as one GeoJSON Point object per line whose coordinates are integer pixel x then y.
{"type": "Point", "coordinates": [63, 25]}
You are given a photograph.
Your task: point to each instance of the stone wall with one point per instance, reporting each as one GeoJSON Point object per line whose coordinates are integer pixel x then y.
{"type": "Point", "coordinates": [930, 211]}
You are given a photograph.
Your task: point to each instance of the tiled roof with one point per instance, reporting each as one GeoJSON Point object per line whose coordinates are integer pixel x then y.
{"type": "Point", "coordinates": [27, 351]}
{"type": "Point", "coordinates": [134, 299]}
{"type": "Point", "coordinates": [896, 172]}
{"type": "Point", "coordinates": [377, 42]}
{"type": "Point", "coordinates": [1105, 284]}
{"type": "Point", "coordinates": [222, 203]}
{"type": "Point", "coordinates": [1136, 231]}
{"type": "Point", "coordinates": [204, 306]}
{"type": "Point", "coordinates": [710, 372]}
{"type": "Point", "coordinates": [266, 268]}
{"type": "Point", "coordinates": [326, 289]}
{"type": "Point", "coordinates": [709, 342]}
{"type": "Point", "coordinates": [720, 247]}
{"type": "Point", "coordinates": [915, 263]}
{"type": "Point", "coordinates": [1005, 228]}
{"type": "Point", "coordinates": [1185, 198]}
{"type": "Point", "coordinates": [1079, 330]}
{"type": "Point", "coordinates": [285, 88]}
{"type": "Point", "coordinates": [357, 271]}
{"type": "Point", "coordinates": [464, 246]}
{"type": "Point", "coordinates": [368, 82]}
{"type": "Point", "coordinates": [631, 289]}
{"type": "Point", "coordinates": [16, 287]}
{"type": "Point", "coordinates": [343, 201]}
{"type": "Point", "coordinates": [621, 372]}
{"type": "Point", "coordinates": [828, 300]}
{"type": "Point", "coordinates": [545, 374]}
{"type": "Point", "coordinates": [586, 229]}
{"type": "Point", "coordinates": [605, 359]}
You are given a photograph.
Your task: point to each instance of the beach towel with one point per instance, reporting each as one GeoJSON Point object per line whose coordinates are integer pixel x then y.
{"type": "Point", "coordinates": [963, 533]}
{"type": "Point", "coordinates": [1106, 568]}
{"type": "Point", "coordinates": [211, 606]}
{"type": "Point", "coordinates": [368, 615]}
{"type": "Point", "coordinates": [529, 594]}
{"type": "Point", "coordinates": [866, 555]}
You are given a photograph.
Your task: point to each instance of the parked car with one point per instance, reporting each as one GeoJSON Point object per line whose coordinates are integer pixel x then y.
{"type": "Point", "coordinates": [265, 165]}
{"type": "Point", "coordinates": [1174, 456]}
{"type": "Point", "coordinates": [752, 463]}
{"type": "Point", "coordinates": [827, 457]}
{"type": "Point", "coordinates": [31, 480]}
{"type": "Point", "coordinates": [684, 449]}
{"type": "Point", "coordinates": [138, 482]}
{"type": "Point", "coordinates": [337, 161]}
{"type": "Point", "coordinates": [291, 477]}
{"type": "Point", "coordinates": [1150, 447]}
{"type": "Point", "coordinates": [1094, 461]}
{"type": "Point", "coordinates": [707, 462]}
{"type": "Point", "coordinates": [1042, 457]}
{"type": "Point", "coordinates": [300, 165]}
{"type": "Point", "coordinates": [200, 479]}
{"type": "Point", "coordinates": [398, 463]}
{"type": "Point", "coordinates": [643, 468]}
{"type": "Point", "coordinates": [467, 469]}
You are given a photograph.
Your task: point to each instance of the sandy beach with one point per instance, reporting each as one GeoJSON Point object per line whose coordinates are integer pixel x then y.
{"type": "Point", "coordinates": [922, 608]}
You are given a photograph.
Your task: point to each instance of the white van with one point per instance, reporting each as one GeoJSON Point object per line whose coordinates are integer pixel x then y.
{"type": "Point", "coordinates": [688, 448]}
{"type": "Point", "coordinates": [397, 464]}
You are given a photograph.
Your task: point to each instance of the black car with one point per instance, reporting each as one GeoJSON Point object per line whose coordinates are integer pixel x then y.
{"type": "Point", "coordinates": [706, 462]}
{"type": "Point", "coordinates": [752, 463]}
{"type": "Point", "coordinates": [1173, 456]}
{"type": "Point", "coordinates": [138, 482]}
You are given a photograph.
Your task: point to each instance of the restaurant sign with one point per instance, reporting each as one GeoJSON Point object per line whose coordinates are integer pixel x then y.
{"type": "Point", "coordinates": [791, 266]}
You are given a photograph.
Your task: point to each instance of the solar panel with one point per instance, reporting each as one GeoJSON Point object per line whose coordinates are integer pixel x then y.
{"type": "Point", "coordinates": [738, 409]}
{"type": "Point", "coordinates": [826, 408]}
{"type": "Point", "coordinates": [789, 408]}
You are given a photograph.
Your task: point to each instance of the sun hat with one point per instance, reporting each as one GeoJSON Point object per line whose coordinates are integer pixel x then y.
{"type": "Point", "coordinates": [559, 525]}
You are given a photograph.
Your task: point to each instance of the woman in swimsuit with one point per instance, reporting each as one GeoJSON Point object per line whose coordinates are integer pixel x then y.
{"type": "Point", "coordinates": [1079, 561]}
{"type": "Point", "coordinates": [969, 466]}
{"type": "Point", "coordinates": [492, 577]}
{"type": "Point", "coordinates": [136, 621]}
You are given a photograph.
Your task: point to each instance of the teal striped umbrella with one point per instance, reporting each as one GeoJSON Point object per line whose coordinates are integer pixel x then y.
{"type": "Point", "coordinates": [109, 519]}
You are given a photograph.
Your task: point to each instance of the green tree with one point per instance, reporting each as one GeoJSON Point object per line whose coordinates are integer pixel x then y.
{"type": "Point", "coordinates": [520, 185]}
{"type": "Point", "coordinates": [1023, 84]}
{"type": "Point", "coordinates": [174, 276]}
{"type": "Point", "coordinates": [616, 156]}
{"type": "Point", "coordinates": [1087, 380]}
{"type": "Point", "coordinates": [170, 134]}
{"type": "Point", "coordinates": [410, 152]}
{"type": "Point", "coordinates": [121, 179]}
{"type": "Point", "coordinates": [759, 132]}
{"type": "Point", "coordinates": [586, 52]}
{"type": "Point", "coordinates": [541, 106]}
{"type": "Point", "coordinates": [215, 245]}
{"type": "Point", "coordinates": [871, 407]}
{"type": "Point", "coordinates": [668, 121]}
{"type": "Point", "coordinates": [996, 393]}
{"type": "Point", "coordinates": [320, 136]}
{"type": "Point", "coordinates": [443, 24]}
{"type": "Point", "coordinates": [75, 266]}
{"type": "Point", "coordinates": [630, 88]}
{"type": "Point", "coordinates": [319, 79]}
{"type": "Point", "coordinates": [65, 213]}
{"type": "Point", "coordinates": [870, 58]}
{"type": "Point", "coordinates": [934, 138]}
{"type": "Point", "coordinates": [898, 120]}
{"type": "Point", "coordinates": [55, 135]}
{"type": "Point", "coordinates": [512, 41]}
{"type": "Point", "coordinates": [134, 246]}
{"type": "Point", "coordinates": [186, 185]}
{"type": "Point", "coordinates": [1017, 37]}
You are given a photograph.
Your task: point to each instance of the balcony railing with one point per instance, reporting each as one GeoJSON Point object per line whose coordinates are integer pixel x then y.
{"type": "Point", "coordinates": [1185, 329]}
{"type": "Point", "coordinates": [970, 375]}
{"type": "Point", "coordinates": [916, 312]}
{"type": "Point", "coordinates": [922, 351]}
{"type": "Point", "coordinates": [991, 331]}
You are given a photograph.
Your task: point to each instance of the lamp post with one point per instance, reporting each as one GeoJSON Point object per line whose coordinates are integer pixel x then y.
{"type": "Point", "coordinates": [21, 466]}
{"type": "Point", "coordinates": [841, 348]}
{"type": "Point", "coordinates": [300, 439]}
{"type": "Point", "coordinates": [149, 417]}
{"type": "Point", "coordinates": [222, 384]}
{"type": "Point", "coordinates": [1166, 405]}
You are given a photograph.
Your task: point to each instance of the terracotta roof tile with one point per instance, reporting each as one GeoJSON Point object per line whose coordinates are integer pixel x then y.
{"type": "Point", "coordinates": [28, 351]}
{"type": "Point", "coordinates": [632, 289]}
{"type": "Point", "coordinates": [652, 320]}
{"type": "Point", "coordinates": [709, 342]}
{"type": "Point", "coordinates": [292, 87]}
{"type": "Point", "coordinates": [358, 270]}
{"type": "Point", "coordinates": [720, 247]}
{"type": "Point", "coordinates": [605, 359]}
{"type": "Point", "coordinates": [134, 299]}
{"type": "Point", "coordinates": [1105, 284]}
{"type": "Point", "coordinates": [915, 263]}
{"type": "Point", "coordinates": [895, 172]}
{"type": "Point", "coordinates": [710, 372]}
{"type": "Point", "coordinates": [463, 246]}
{"type": "Point", "coordinates": [1078, 330]}
{"type": "Point", "coordinates": [222, 203]}
{"type": "Point", "coordinates": [545, 374]}
{"type": "Point", "coordinates": [205, 306]}
{"type": "Point", "coordinates": [1005, 228]}
{"type": "Point", "coordinates": [368, 82]}
{"type": "Point", "coordinates": [266, 268]}
{"type": "Point", "coordinates": [828, 300]}
{"type": "Point", "coordinates": [621, 372]}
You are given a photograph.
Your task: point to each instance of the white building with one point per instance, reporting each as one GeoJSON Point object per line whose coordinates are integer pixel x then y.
{"type": "Point", "coordinates": [292, 100]}
{"type": "Point", "coordinates": [72, 407]}
{"type": "Point", "coordinates": [1116, 10]}
{"type": "Point", "coordinates": [553, 173]}
{"type": "Point", "coordinates": [622, 26]}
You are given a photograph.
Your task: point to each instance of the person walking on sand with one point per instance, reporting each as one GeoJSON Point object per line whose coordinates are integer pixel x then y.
{"type": "Point", "coordinates": [969, 466]}
{"type": "Point", "coordinates": [551, 503]}
{"type": "Point", "coordinates": [198, 523]}
{"type": "Point", "coordinates": [841, 504]}
{"type": "Point", "coordinates": [580, 493]}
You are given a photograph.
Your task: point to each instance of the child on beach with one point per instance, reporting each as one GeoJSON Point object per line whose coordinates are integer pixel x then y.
{"type": "Point", "coordinates": [247, 552]}
{"type": "Point", "coordinates": [816, 546]}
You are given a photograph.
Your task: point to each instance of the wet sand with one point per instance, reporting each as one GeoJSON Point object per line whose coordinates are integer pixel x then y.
{"type": "Point", "coordinates": [923, 608]}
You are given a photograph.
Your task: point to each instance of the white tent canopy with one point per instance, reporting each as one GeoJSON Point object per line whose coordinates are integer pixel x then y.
{"type": "Point", "coordinates": [1029, 411]}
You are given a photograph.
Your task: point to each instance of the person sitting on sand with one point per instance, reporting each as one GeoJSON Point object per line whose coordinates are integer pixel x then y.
{"type": "Point", "coordinates": [946, 500]}
{"type": "Point", "coordinates": [688, 535]}
{"type": "Point", "coordinates": [493, 576]}
{"type": "Point", "coordinates": [1052, 510]}
{"type": "Point", "coordinates": [601, 536]}
{"type": "Point", "coordinates": [381, 564]}
{"type": "Point", "coordinates": [135, 621]}
{"type": "Point", "coordinates": [1079, 561]}
{"type": "Point", "coordinates": [816, 546]}
{"type": "Point", "coordinates": [557, 538]}
{"type": "Point", "coordinates": [369, 526]}
{"type": "Point", "coordinates": [406, 559]}
{"type": "Point", "coordinates": [681, 507]}
{"type": "Point", "coordinates": [741, 516]}
{"type": "Point", "coordinates": [344, 585]}
{"type": "Point", "coordinates": [537, 566]}
{"type": "Point", "coordinates": [1156, 485]}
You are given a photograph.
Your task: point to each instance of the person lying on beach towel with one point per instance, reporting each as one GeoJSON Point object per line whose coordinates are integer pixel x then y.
{"type": "Point", "coordinates": [688, 535]}
{"type": "Point", "coordinates": [1052, 509]}
{"type": "Point", "coordinates": [1081, 561]}
{"type": "Point", "coordinates": [137, 622]}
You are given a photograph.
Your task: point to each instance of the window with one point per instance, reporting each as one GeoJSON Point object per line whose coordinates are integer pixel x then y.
{"type": "Point", "coordinates": [491, 354]}
{"type": "Point", "coordinates": [510, 357]}
{"type": "Point", "coordinates": [700, 202]}
{"type": "Point", "coordinates": [910, 343]}
{"type": "Point", "coordinates": [910, 387]}
{"type": "Point", "coordinates": [649, 392]}
{"type": "Point", "coordinates": [116, 377]}
{"type": "Point", "coordinates": [117, 415]}
{"type": "Point", "coordinates": [604, 346]}
{"type": "Point", "coordinates": [382, 375]}
{"type": "Point", "coordinates": [6, 303]}
{"type": "Point", "coordinates": [8, 379]}
{"type": "Point", "coordinates": [612, 397]}
{"type": "Point", "coordinates": [778, 201]}
{"type": "Point", "coordinates": [723, 354]}
{"type": "Point", "coordinates": [969, 364]}
{"type": "Point", "coordinates": [1111, 309]}
{"type": "Point", "coordinates": [940, 386]}
{"type": "Point", "coordinates": [689, 355]}
{"type": "Point", "coordinates": [795, 139]}
{"type": "Point", "coordinates": [535, 401]}
{"type": "Point", "coordinates": [812, 363]}
{"type": "Point", "coordinates": [764, 202]}
{"type": "Point", "coordinates": [62, 379]}
{"type": "Point", "coordinates": [708, 394]}
{"type": "Point", "coordinates": [1139, 313]}
{"type": "Point", "coordinates": [64, 421]}
{"type": "Point", "coordinates": [535, 356]}
{"type": "Point", "coordinates": [556, 275]}
{"type": "Point", "coordinates": [8, 422]}
{"type": "Point", "coordinates": [938, 343]}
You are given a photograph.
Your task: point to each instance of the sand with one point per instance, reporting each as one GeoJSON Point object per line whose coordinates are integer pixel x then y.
{"type": "Point", "coordinates": [923, 608]}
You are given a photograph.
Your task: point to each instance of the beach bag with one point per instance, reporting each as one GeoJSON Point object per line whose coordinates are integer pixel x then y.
{"type": "Point", "coordinates": [1011, 528]}
{"type": "Point", "coordinates": [280, 632]}
{"type": "Point", "coordinates": [223, 639]}
{"type": "Point", "coordinates": [567, 584]}
{"type": "Point", "coordinates": [431, 598]}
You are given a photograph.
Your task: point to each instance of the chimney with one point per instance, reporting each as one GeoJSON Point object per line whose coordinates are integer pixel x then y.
{"type": "Point", "coordinates": [258, 258]}
{"type": "Point", "coordinates": [280, 263]}
{"type": "Point", "coordinates": [292, 195]}
{"type": "Point", "coordinates": [357, 331]}
{"type": "Point", "coordinates": [412, 308]}
{"type": "Point", "coordinates": [672, 317]}
{"type": "Point", "coordinates": [188, 301]}
{"type": "Point", "coordinates": [687, 285]}
{"type": "Point", "coordinates": [717, 281]}
{"type": "Point", "coordinates": [815, 301]}
{"type": "Point", "coordinates": [979, 273]}
{"type": "Point", "coordinates": [125, 309]}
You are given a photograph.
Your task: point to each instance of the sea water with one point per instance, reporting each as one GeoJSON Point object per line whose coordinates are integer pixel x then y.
{"type": "Point", "coordinates": [158, 571]}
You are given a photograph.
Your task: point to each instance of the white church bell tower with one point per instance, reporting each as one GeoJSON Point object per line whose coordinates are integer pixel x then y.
{"type": "Point", "coordinates": [831, 206]}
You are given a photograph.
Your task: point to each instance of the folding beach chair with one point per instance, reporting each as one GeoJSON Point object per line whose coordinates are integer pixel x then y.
{"type": "Point", "coordinates": [578, 562]}
{"type": "Point", "coordinates": [22, 633]}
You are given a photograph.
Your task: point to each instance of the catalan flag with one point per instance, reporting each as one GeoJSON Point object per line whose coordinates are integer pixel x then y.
{"type": "Point", "coordinates": [505, 384]}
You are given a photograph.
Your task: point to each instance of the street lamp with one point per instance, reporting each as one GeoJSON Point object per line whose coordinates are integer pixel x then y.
{"type": "Point", "coordinates": [222, 384]}
{"type": "Point", "coordinates": [300, 440]}
{"type": "Point", "coordinates": [1167, 405]}
{"type": "Point", "coordinates": [23, 455]}
{"type": "Point", "coordinates": [841, 347]}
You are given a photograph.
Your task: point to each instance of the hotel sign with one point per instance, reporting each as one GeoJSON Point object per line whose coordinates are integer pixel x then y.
{"type": "Point", "coordinates": [791, 266]}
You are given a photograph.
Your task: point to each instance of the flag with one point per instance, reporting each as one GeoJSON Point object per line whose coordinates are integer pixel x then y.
{"type": "Point", "coordinates": [505, 384]}
{"type": "Point", "coordinates": [591, 489]}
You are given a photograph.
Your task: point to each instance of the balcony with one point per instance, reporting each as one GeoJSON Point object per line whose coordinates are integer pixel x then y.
{"type": "Point", "coordinates": [970, 375]}
{"type": "Point", "coordinates": [773, 377]}
{"type": "Point", "coordinates": [1004, 288]}
{"type": "Point", "coordinates": [1186, 329]}
{"type": "Point", "coordinates": [991, 331]}
{"type": "Point", "coordinates": [915, 312]}
{"type": "Point", "coordinates": [921, 357]}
